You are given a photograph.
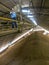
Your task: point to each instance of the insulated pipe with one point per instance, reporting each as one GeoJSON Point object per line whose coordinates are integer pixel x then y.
{"type": "Point", "coordinates": [6, 19]}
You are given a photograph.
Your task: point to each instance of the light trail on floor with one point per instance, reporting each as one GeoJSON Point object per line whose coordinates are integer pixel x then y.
{"type": "Point", "coordinates": [15, 40]}
{"type": "Point", "coordinates": [37, 28]}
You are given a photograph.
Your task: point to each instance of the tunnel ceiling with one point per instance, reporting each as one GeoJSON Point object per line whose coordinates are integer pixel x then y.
{"type": "Point", "coordinates": [40, 8]}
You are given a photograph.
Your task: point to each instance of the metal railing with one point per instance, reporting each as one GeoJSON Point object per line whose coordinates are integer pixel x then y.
{"type": "Point", "coordinates": [6, 24]}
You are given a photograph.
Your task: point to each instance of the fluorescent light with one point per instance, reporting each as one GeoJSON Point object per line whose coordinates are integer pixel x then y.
{"type": "Point", "coordinates": [32, 19]}
{"type": "Point", "coordinates": [25, 11]}
{"type": "Point", "coordinates": [29, 16]}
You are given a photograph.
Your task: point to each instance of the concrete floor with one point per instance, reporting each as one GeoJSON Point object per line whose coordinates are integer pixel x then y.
{"type": "Point", "coordinates": [33, 50]}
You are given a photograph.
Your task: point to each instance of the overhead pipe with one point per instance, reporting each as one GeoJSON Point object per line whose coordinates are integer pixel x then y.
{"type": "Point", "coordinates": [8, 19]}
{"type": "Point", "coordinates": [6, 9]}
{"type": "Point", "coordinates": [5, 5]}
{"type": "Point", "coordinates": [3, 12]}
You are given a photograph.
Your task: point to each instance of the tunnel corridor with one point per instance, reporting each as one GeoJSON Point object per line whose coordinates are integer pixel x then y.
{"type": "Point", "coordinates": [24, 32]}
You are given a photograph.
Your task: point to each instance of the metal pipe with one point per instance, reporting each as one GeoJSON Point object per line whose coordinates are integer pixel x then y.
{"type": "Point", "coordinates": [7, 19]}
{"type": "Point", "coordinates": [3, 12]}
{"type": "Point", "coordinates": [6, 9]}
{"type": "Point", "coordinates": [4, 5]}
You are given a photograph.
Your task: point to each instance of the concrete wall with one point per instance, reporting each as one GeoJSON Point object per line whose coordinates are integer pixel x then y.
{"type": "Point", "coordinates": [33, 50]}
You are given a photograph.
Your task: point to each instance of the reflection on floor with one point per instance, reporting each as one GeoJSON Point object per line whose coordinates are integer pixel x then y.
{"type": "Point", "coordinates": [33, 50]}
{"type": "Point", "coordinates": [6, 39]}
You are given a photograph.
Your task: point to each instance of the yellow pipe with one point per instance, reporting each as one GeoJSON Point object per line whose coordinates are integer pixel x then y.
{"type": "Point", "coordinates": [7, 19]}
